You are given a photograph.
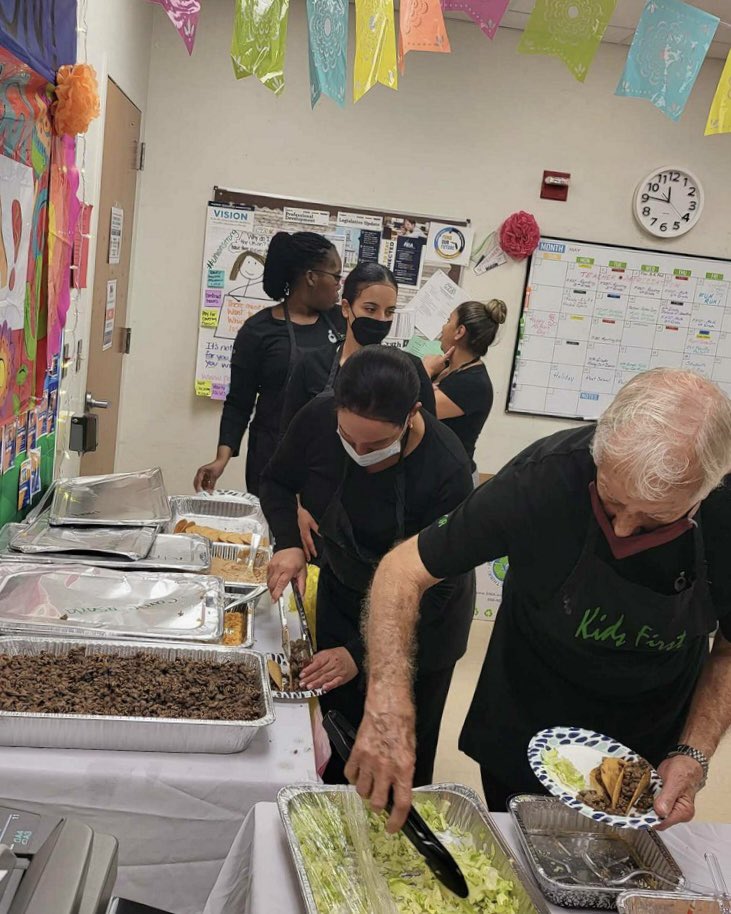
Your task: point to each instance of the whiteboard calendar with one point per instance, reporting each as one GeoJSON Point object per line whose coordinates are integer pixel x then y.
{"type": "Point", "coordinates": [595, 315]}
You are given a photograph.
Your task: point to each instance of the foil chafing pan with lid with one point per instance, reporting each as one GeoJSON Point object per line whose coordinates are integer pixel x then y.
{"type": "Point", "coordinates": [119, 499]}
{"type": "Point", "coordinates": [150, 734]}
{"type": "Point", "coordinates": [77, 600]}
{"type": "Point", "coordinates": [462, 809]}
{"type": "Point", "coordinates": [565, 851]}
{"type": "Point", "coordinates": [126, 543]}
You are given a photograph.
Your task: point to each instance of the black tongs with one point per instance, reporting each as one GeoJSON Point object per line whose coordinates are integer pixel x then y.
{"type": "Point", "coordinates": [437, 857]}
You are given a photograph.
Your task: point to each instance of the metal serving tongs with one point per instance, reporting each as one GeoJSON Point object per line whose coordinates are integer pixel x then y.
{"type": "Point", "coordinates": [437, 857]}
{"type": "Point", "coordinates": [719, 883]}
{"type": "Point", "coordinates": [303, 618]}
{"type": "Point", "coordinates": [286, 644]}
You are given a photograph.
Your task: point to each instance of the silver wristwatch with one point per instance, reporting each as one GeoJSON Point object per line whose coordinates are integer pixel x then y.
{"type": "Point", "coordinates": [700, 757]}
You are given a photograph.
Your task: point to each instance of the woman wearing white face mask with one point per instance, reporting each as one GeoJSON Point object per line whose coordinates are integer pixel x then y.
{"type": "Point", "coordinates": [385, 469]}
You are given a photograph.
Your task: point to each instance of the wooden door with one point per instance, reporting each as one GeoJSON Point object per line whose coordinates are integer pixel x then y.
{"type": "Point", "coordinates": [107, 338]}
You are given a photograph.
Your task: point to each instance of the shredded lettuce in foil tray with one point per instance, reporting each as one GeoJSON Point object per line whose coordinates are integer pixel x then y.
{"type": "Point", "coordinates": [350, 858]}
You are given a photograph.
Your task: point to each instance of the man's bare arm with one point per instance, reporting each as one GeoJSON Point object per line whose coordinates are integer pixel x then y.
{"type": "Point", "coordinates": [384, 753]}
{"type": "Point", "coordinates": [709, 718]}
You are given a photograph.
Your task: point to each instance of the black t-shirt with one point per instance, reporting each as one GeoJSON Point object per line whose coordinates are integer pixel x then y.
{"type": "Point", "coordinates": [310, 461]}
{"type": "Point", "coordinates": [470, 390]}
{"type": "Point", "coordinates": [259, 368]}
{"type": "Point", "coordinates": [311, 374]}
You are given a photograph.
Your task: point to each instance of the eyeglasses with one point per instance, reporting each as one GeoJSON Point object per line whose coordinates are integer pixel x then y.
{"type": "Point", "coordinates": [338, 277]}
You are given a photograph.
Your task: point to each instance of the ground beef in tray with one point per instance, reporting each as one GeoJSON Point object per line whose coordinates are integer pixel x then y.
{"type": "Point", "coordinates": [138, 685]}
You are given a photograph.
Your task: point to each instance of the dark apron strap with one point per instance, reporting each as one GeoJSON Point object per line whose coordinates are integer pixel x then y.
{"type": "Point", "coordinates": [340, 337]}
{"type": "Point", "coordinates": [330, 383]}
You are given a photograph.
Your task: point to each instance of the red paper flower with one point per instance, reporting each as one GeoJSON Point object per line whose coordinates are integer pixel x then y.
{"type": "Point", "coordinates": [77, 99]}
{"type": "Point", "coordinates": [519, 235]}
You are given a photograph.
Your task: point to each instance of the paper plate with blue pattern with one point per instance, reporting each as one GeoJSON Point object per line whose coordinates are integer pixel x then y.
{"type": "Point", "coordinates": [585, 750]}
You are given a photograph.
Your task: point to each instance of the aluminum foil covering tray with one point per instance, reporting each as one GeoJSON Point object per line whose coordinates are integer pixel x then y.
{"type": "Point", "coordinates": [462, 809]}
{"type": "Point", "coordinates": [566, 850]}
{"type": "Point", "coordinates": [130, 543]}
{"type": "Point", "coordinates": [667, 903]}
{"type": "Point", "coordinates": [231, 553]}
{"type": "Point", "coordinates": [149, 734]}
{"type": "Point", "coordinates": [119, 499]}
{"type": "Point", "coordinates": [76, 600]}
{"type": "Point", "coordinates": [218, 514]}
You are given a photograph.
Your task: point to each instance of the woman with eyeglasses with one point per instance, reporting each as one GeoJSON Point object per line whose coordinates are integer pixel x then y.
{"type": "Point", "coordinates": [384, 468]}
{"type": "Point", "coordinates": [302, 272]}
{"type": "Point", "coordinates": [368, 306]}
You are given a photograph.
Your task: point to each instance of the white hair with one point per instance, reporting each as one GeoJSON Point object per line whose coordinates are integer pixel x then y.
{"type": "Point", "coordinates": [667, 429]}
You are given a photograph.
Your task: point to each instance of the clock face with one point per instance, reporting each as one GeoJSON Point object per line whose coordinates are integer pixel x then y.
{"type": "Point", "coordinates": [668, 202]}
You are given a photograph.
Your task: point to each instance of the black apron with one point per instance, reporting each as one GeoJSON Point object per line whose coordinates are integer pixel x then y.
{"type": "Point", "coordinates": [265, 430]}
{"type": "Point", "coordinates": [602, 653]}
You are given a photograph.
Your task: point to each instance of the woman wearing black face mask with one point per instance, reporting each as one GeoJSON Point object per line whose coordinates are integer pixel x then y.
{"type": "Point", "coordinates": [382, 468]}
{"type": "Point", "coordinates": [368, 306]}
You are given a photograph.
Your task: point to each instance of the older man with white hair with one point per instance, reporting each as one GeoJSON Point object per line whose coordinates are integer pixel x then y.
{"type": "Point", "coordinates": [619, 539]}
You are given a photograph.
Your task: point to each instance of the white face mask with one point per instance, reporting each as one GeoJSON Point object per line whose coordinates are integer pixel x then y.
{"type": "Point", "coordinates": [369, 460]}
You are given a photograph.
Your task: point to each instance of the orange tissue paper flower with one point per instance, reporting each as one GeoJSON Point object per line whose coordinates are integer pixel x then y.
{"type": "Point", "coordinates": [77, 99]}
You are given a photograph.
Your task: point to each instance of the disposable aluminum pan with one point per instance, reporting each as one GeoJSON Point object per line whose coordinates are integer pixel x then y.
{"type": "Point", "coordinates": [126, 543]}
{"type": "Point", "coordinates": [462, 808]}
{"type": "Point", "coordinates": [76, 600]}
{"type": "Point", "coordinates": [232, 553]}
{"type": "Point", "coordinates": [227, 515]}
{"type": "Point", "coordinates": [119, 499]}
{"type": "Point", "coordinates": [554, 839]}
{"type": "Point", "coordinates": [147, 734]}
{"type": "Point", "coordinates": [168, 553]}
{"type": "Point", "coordinates": [667, 903]}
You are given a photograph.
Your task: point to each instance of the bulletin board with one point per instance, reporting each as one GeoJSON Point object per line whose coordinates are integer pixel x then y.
{"type": "Point", "coordinates": [595, 315]}
{"type": "Point", "coordinates": [239, 227]}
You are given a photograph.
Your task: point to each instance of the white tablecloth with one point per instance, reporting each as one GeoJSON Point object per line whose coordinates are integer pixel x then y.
{"type": "Point", "coordinates": [259, 878]}
{"type": "Point", "coordinates": [175, 816]}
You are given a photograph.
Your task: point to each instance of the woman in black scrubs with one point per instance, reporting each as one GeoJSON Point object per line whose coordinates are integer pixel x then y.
{"type": "Point", "coordinates": [302, 272]}
{"type": "Point", "coordinates": [368, 306]}
{"type": "Point", "coordinates": [463, 389]}
{"type": "Point", "coordinates": [384, 468]}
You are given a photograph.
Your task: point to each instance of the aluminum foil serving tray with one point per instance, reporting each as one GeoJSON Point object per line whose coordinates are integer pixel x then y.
{"type": "Point", "coordinates": [667, 903]}
{"type": "Point", "coordinates": [168, 553]}
{"type": "Point", "coordinates": [149, 734]}
{"type": "Point", "coordinates": [126, 543]}
{"type": "Point", "coordinates": [555, 838]}
{"type": "Point", "coordinates": [463, 809]}
{"type": "Point", "coordinates": [119, 499]}
{"type": "Point", "coordinates": [231, 515]}
{"type": "Point", "coordinates": [77, 600]}
{"type": "Point", "coordinates": [233, 553]}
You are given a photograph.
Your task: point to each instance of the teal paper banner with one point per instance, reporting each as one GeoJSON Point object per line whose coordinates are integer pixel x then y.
{"type": "Point", "coordinates": [327, 24]}
{"type": "Point", "coordinates": [667, 52]}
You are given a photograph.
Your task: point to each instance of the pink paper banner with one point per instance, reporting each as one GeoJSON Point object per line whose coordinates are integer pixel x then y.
{"type": "Point", "coordinates": [184, 16]}
{"type": "Point", "coordinates": [486, 13]}
{"type": "Point", "coordinates": [63, 216]}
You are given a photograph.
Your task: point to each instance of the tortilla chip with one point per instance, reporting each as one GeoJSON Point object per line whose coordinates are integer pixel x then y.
{"type": "Point", "coordinates": [641, 788]}
{"type": "Point", "coordinates": [275, 674]}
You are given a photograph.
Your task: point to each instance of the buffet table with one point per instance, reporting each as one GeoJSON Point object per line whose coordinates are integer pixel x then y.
{"type": "Point", "coordinates": [259, 877]}
{"type": "Point", "coordinates": [175, 816]}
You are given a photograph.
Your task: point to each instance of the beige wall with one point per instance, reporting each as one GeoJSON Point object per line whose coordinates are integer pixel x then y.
{"type": "Point", "coordinates": [118, 46]}
{"type": "Point", "coordinates": [468, 134]}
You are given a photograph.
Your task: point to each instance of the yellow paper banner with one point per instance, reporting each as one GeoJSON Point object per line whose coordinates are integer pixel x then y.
{"type": "Point", "coordinates": [375, 46]}
{"type": "Point", "coordinates": [421, 28]}
{"type": "Point", "coordinates": [719, 117]}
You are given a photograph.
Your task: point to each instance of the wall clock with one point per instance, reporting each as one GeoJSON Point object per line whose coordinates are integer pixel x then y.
{"type": "Point", "coordinates": [668, 202]}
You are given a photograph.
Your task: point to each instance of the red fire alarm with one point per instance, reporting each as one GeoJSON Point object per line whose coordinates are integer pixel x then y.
{"type": "Point", "coordinates": [555, 185]}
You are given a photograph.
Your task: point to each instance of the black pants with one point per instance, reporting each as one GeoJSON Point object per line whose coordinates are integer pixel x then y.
{"type": "Point", "coordinates": [430, 694]}
{"type": "Point", "coordinates": [497, 793]}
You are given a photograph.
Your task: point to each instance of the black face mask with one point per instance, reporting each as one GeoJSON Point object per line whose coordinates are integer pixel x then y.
{"type": "Point", "coordinates": [370, 332]}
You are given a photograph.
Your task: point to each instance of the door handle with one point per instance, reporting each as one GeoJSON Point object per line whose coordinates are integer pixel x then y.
{"type": "Point", "coordinates": [91, 403]}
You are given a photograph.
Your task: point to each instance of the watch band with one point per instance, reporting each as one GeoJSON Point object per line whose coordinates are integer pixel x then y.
{"type": "Point", "coordinates": [696, 754]}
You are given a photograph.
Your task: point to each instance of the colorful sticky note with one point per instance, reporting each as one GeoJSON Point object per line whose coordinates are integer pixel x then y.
{"type": "Point", "coordinates": [259, 40]}
{"type": "Point", "coordinates": [719, 117]}
{"type": "Point", "coordinates": [486, 13]}
{"type": "Point", "coordinates": [327, 27]}
{"type": "Point", "coordinates": [209, 317]}
{"type": "Point", "coordinates": [375, 46]}
{"type": "Point", "coordinates": [184, 16]}
{"type": "Point", "coordinates": [421, 28]}
{"type": "Point", "coordinates": [203, 388]}
{"type": "Point", "coordinates": [570, 31]}
{"type": "Point", "coordinates": [667, 52]}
